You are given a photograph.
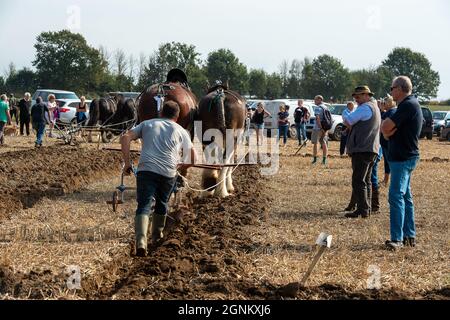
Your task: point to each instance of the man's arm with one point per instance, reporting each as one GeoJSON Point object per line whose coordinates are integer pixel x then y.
{"type": "Point", "coordinates": [388, 128]}
{"type": "Point", "coordinates": [125, 142]}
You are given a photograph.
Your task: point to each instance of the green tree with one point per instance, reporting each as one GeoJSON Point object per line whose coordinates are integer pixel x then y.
{"type": "Point", "coordinates": [168, 56]}
{"type": "Point", "coordinates": [257, 83]}
{"type": "Point", "coordinates": [21, 81]}
{"type": "Point", "coordinates": [326, 76]}
{"type": "Point", "coordinates": [415, 65]}
{"type": "Point", "coordinates": [2, 85]}
{"type": "Point", "coordinates": [225, 66]}
{"type": "Point", "coordinates": [274, 86]}
{"type": "Point", "coordinates": [65, 60]}
{"type": "Point", "coordinates": [378, 79]}
{"type": "Point", "coordinates": [293, 88]}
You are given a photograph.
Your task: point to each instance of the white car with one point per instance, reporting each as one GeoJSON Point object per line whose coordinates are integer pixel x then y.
{"type": "Point", "coordinates": [338, 123]}
{"type": "Point", "coordinates": [66, 100]}
{"type": "Point", "coordinates": [273, 107]}
{"type": "Point", "coordinates": [68, 110]}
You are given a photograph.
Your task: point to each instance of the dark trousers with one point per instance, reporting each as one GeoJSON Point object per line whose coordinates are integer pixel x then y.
{"type": "Point", "coordinates": [362, 164]}
{"type": "Point", "coordinates": [343, 144]}
{"type": "Point", "coordinates": [14, 112]}
{"type": "Point", "coordinates": [2, 128]}
{"type": "Point", "coordinates": [25, 123]}
{"type": "Point", "coordinates": [152, 185]}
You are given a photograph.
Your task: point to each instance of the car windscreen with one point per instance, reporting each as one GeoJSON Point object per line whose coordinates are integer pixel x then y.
{"type": "Point", "coordinates": [337, 109]}
{"type": "Point", "coordinates": [439, 115]}
{"type": "Point", "coordinates": [66, 96]}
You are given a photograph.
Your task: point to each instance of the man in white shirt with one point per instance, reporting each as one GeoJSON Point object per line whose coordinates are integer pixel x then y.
{"type": "Point", "coordinates": [162, 141]}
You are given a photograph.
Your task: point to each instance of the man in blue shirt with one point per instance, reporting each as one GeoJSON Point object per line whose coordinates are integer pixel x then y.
{"type": "Point", "coordinates": [363, 145]}
{"type": "Point", "coordinates": [402, 131]}
{"type": "Point", "coordinates": [319, 135]}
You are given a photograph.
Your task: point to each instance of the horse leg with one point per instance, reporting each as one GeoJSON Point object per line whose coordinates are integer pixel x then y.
{"type": "Point", "coordinates": [221, 190]}
{"type": "Point", "coordinates": [230, 186]}
{"type": "Point", "coordinates": [209, 179]}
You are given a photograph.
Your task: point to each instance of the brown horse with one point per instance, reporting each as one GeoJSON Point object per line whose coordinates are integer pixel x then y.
{"type": "Point", "coordinates": [174, 89]}
{"type": "Point", "coordinates": [221, 109]}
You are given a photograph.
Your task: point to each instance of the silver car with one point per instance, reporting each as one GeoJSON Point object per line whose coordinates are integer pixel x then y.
{"type": "Point", "coordinates": [439, 118]}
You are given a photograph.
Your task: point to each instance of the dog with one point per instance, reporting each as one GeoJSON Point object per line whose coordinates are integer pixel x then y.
{"type": "Point", "coordinates": [11, 131]}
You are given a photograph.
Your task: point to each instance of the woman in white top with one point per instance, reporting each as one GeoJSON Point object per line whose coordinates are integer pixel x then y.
{"type": "Point", "coordinates": [51, 105]}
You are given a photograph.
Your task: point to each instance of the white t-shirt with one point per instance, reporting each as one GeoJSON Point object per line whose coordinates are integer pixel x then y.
{"type": "Point", "coordinates": [163, 141]}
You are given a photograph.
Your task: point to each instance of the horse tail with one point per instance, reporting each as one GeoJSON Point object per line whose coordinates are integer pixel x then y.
{"type": "Point", "coordinates": [93, 113]}
{"type": "Point", "coordinates": [221, 120]}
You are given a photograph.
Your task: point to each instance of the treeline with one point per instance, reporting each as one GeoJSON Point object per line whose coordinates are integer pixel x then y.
{"type": "Point", "coordinates": [64, 60]}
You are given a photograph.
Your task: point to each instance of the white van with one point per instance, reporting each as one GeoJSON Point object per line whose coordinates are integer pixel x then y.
{"type": "Point", "coordinates": [273, 107]}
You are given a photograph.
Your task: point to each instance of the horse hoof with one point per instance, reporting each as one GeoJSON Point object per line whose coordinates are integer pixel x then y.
{"type": "Point", "coordinates": [206, 194]}
{"type": "Point", "coordinates": [221, 193]}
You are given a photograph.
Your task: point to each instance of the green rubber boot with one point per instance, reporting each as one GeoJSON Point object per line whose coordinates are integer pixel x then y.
{"type": "Point", "coordinates": [159, 222]}
{"type": "Point", "coordinates": [141, 228]}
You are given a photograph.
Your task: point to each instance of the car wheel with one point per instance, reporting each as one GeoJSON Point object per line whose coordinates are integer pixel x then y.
{"type": "Point", "coordinates": [337, 134]}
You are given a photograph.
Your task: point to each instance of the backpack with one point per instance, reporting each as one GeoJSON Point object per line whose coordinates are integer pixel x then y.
{"type": "Point", "coordinates": [326, 121]}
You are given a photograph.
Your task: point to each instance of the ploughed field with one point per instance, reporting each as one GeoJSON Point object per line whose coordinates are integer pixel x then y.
{"type": "Point", "coordinates": [60, 240]}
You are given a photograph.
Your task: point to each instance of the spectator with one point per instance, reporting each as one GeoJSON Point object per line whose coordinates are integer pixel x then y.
{"type": "Point", "coordinates": [363, 147]}
{"type": "Point", "coordinates": [375, 201]}
{"type": "Point", "coordinates": [388, 108]}
{"type": "Point", "coordinates": [39, 114]}
{"type": "Point", "coordinates": [81, 111]}
{"type": "Point", "coordinates": [347, 111]}
{"type": "Point", "coordinates": [283, 124]}
{"type": "Point", "coordinates": [258, 120]}
{"type": "Point", "coordinates": [24, 111]}
{"type": "Point", "coordinates": [13, 110]}
{"type": "Point", "coordinates": [402, 131]}
{"type": "Point", "coordinates": [5, 116]}
{"type": "Point", "coordinates": [301, 116]}
{"type": "Point", "coordinates": [318, 135]}
{"type": "Point", "coordinates": [52, 108]}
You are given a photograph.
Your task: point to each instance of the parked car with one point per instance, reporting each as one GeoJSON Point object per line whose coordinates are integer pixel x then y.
{"type": "Point", "coordinates": [445, 133]}
{"type": "Point", "coordinates": [126, 95]}
{"type": "Point", "coordinates": [439, 118]}
{"type": "Point", "coordinates": [67, 102]}
{"type": "Point", "coordinates": [273, 106]}
{"type": "Point", "coordinates": [59, 95]}
{"type": "Point", "coordinates": [68, 110]}
{"type": "Point", "coordinates": [427, 126]}
{"type": "Point", "coordinates": [338, 124]}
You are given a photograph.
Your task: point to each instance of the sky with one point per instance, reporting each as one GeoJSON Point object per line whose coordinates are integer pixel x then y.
{"type": "Point", "coordinates": [260, 33]}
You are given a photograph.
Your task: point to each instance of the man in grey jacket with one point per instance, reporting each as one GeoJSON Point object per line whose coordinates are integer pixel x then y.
{"type": "Point", "coordinates": [363, 144]}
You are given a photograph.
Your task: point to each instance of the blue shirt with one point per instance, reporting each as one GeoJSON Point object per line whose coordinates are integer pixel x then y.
{"type": "Point", "coordinates": [318, 111]}
{"type": "Point", "coordinates": [346, 113]}
{"type": "Point", "coordinates": [362, 113]}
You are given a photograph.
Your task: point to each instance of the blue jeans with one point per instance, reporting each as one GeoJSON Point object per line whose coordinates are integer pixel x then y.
{"type": "Point", "coordinates": [40, 129]}
{"type": "Point", "coordinates": [387, 169]}
{"type": "Point", "coordinates": [301, 131]}
{"type": "Point", "coordinates": [400, 200]}
{"type": "Point", "coordinates": [374, 177]}
{"type": "Point", "coordinates": [152, 185]}
{"type": "Point", "coordinates": [283, 130]}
